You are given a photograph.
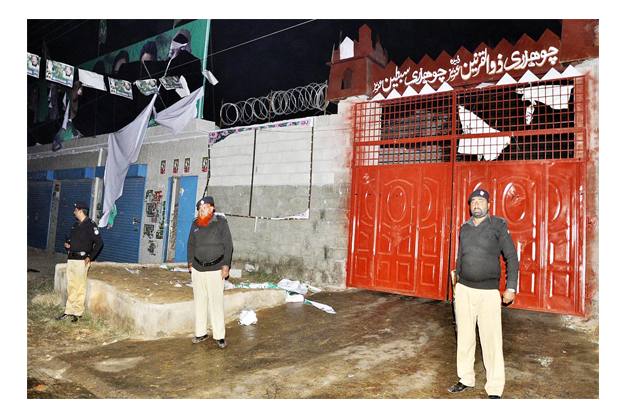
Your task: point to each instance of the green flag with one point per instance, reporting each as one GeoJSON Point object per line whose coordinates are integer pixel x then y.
{"type": "Point", "coordinates": [103, 30]}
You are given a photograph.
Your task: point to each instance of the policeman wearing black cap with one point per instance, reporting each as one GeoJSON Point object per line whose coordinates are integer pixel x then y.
{"type": "Point", "coordinates": [209, 253]}
{"type": "Point", "coordinates": [83, 246]}
{"type": "Point", "coordinates": [482, 240]}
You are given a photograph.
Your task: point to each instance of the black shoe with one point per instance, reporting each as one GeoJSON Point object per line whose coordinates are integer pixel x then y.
{"type": "Point", "coordinates": [63, 316]}
{"type": "Point", "coordinates": [459, 387]}
{"type": "Point", "coordinates": [222, 343]}
{"type": "Point", "coordinates": [75, 319]}
{"type": "Point", "coordinates": [494, 397]}
{"type": "Point", "coordinates": [200, 339]}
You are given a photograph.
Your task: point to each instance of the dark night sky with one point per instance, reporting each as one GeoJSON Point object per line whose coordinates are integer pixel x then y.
{"type": "Point", "coordinates": [288, 59]}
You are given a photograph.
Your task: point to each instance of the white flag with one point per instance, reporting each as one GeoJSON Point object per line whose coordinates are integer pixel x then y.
{"type": "Point", "coordinates": [176, 117]}
{"type": "Point", "coordinates": [123, 150]}
{"type": "Point", "coordinates": [91, 79]}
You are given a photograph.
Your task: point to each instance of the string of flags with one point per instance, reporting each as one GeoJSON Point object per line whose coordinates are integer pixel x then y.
{"type": "Point", "coordinates": [63, 74]}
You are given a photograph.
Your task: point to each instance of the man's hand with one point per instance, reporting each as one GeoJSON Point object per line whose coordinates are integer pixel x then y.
{"type": "Point", "coordinates": [225, 271]}
{"type": "Point", "coordinates": [508, 297]}
{"type": "Point", "coordinates": [87, 261]}
{"type": "Point", "coordinates": [190, 268]}
{"type": "Point", "coordinates": [66, 245]}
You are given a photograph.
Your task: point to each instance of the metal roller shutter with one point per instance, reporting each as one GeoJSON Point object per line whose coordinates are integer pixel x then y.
{"type": "Point", "coordinates": [122, 240]}
{"type": "Point", "coordinates": [72, 191]}
{"type": "Point", "coordinates": [38, 211]}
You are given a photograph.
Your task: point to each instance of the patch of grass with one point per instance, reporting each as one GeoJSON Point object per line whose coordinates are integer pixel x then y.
{"type": "Point", "coordinates": [42, 314]}
{"type": "Point", "coordinates": [38, 285]}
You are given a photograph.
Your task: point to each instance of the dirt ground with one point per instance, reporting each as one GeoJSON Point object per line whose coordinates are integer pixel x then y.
{"type": "Point", "coordinates": [376, 346]}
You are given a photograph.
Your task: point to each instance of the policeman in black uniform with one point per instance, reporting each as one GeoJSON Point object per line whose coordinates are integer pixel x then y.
{"type": "Point", "coordinates": [83, 246]}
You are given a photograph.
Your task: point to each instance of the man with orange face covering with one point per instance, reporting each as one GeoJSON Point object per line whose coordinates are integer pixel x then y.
{"type": "Point", "coordinates": [209, 253]}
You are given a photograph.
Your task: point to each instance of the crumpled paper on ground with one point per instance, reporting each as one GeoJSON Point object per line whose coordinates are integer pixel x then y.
{"type": "Point", "coordinates": [248, 317]}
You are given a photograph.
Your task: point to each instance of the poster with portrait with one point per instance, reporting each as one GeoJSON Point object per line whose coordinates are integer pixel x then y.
{"type": "Point", "coordinates": [148, 230]}
{"type": "Point", "coordinates": [163, 165]}
{"type": "Point", "coordinates": [60, 73]}
{"type": "Point", "coordinates": [171, 82]}
{"type": "Point", "coordinates": [176, 163]}
{"type": "Point", "coordinates": [32, 65]}
{"type": "Point", "coordinates": [204, 164]}
{"type": "Point", "coordinates": [187, 165]}
{"type": "Point", "coordinates": [120, 87]}
{"type": "Point", "coordinates": [147, 86]}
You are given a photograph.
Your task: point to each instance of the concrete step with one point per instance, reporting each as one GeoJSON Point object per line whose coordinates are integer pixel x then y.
{"type": "Point", "coordinates": [157, 319]}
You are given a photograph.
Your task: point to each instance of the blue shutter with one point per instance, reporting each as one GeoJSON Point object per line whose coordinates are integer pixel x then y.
{"type": "Point", "coordinates": [186, 214]}
{"type": "Point", "coordinates": [72, 191]}
{"type": "Point", "coordinates": [122, 240]}
{"type": "Point", "coordinates": [38, 211]}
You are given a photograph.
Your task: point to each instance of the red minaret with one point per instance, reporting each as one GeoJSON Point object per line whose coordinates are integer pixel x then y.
{"type": "Point", "coordinates": [350, 74]}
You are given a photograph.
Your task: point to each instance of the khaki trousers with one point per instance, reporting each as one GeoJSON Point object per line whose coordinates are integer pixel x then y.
{"type": "Point", "coordinates": [76, 286]}
{"type": "Point", "coordinates": [481, 307]}
{"type": "Point", "coordinates": [208, 290]}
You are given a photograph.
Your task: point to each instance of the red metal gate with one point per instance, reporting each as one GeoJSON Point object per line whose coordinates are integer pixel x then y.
{"type": "Point", "coordinates": [417, 159]}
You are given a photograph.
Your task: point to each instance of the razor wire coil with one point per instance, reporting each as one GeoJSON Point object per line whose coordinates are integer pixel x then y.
{"type": "Point", "coordinates": [277, 103]}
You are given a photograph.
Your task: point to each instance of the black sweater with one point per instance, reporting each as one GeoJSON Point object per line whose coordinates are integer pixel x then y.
{"type": "Point", "coordinates": [209, 243]}
{"type": "Point", "coordinates": [479, 249]}
{"type": "Point", "coordinates": [85, 237]}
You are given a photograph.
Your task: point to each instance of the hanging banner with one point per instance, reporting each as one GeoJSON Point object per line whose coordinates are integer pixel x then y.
{"type": "Point", "coordinates": [60, 73]}
{"type": "Point", "coordinates": [120, 87]}
{"type": "Point", "coordinates": [32, 65]}
{"type": "Point", "coordinates": [196, 43]}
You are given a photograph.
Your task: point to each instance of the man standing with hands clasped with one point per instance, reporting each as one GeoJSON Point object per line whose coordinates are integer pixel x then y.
{"type": "Point", "coordinates": [209, 253]}
{"type": "Point", "coordinates": [483, 238]}
{"type": "Point", "coordinates": [83, 246]}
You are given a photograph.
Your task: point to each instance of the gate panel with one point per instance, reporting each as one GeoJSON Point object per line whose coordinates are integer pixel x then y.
{"type": "Point", "coordinates": [395, 259]}
{"type": "Point", "coordinates": [433, 210]}
{"type": "Point", "coordinates": [540, 204]}
{"type": "Point", "coordinates": [562, 287]}
{"type": "Point", "coordinates": [365, 207]}
{"type": "Point", "coordinates": [518, 196]}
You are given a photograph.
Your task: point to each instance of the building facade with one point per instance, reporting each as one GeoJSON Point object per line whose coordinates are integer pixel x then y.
{"type": "Point", "coordinates": [373, 197]}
